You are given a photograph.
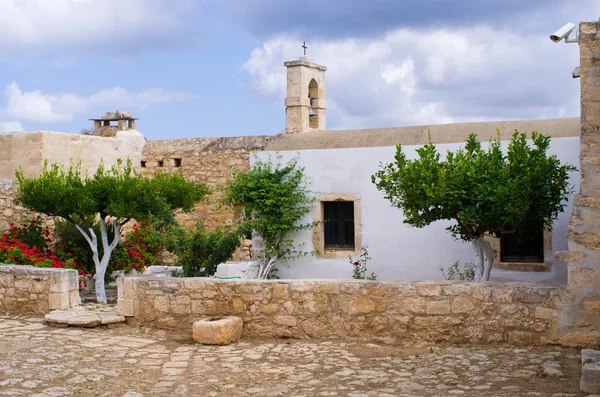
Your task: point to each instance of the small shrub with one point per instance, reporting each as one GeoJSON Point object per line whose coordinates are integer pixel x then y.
{"type": "Point", "coordinates": [359, 272]}
{"type": "Point", "coordinates": [454, 272]}
{"type": "Point", "coordinates": [199, 251]}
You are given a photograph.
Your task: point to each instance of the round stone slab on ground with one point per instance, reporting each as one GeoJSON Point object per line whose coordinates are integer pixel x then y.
{"type": "Point", "coordinates": [79, 317]}
{"type": "Point", "coordinates": [218, 330]}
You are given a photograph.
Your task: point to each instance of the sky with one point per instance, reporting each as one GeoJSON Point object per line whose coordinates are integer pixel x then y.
{"type": "Point", "coordinates": [211, 68]}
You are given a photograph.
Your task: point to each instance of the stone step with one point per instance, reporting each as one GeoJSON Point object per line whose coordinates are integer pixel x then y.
{"type": "Point", "coordinates": [80, 317]}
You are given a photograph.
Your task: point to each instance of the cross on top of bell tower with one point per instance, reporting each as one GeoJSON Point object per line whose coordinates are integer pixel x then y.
{"type": "Point", "coordinates": [305, 47]}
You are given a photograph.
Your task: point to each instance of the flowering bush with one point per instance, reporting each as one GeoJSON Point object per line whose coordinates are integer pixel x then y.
{"type": "Point", "coordinates": [31, 233]}
{"type": "Point", "coordinates": [359, 271]}
{"type": "Point", "coordinates": [139, 249]}
{"type": "Point", "coordinates": [28, 244]}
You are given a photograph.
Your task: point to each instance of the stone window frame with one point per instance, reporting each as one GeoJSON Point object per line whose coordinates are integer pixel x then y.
{"type": "Point", "coordinates": [319, 232]}
{"type": "Point", "coordinates": [524, 266]}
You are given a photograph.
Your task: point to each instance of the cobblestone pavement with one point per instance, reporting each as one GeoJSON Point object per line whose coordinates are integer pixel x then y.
{"type": "Point", "coordinates": [128, 361]}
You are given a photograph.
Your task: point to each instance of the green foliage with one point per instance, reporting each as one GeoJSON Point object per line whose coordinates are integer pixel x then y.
{"type": "Point", "coordinates": [359, 271]}
{"type": "Point", "coordinates": [69, 240]}
{"type": "Point", "coordinates": [112, 196]}
{"type": "Point", "coordinates": [199, 251]}
{"type": "Point", "coordinates": [120, 192]}
{"type": "Point", "coordinates": [483, 190]}
{"type": "Point", "coordinates": [275, 199]}
{"type": "Point", "coordinates": [454, 272]}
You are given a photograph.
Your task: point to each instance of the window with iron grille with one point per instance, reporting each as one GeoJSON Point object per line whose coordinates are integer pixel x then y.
{"type": "Point", "coordinates": [338, 217]}
{"type": "Point", "coordinates": [524, 246]}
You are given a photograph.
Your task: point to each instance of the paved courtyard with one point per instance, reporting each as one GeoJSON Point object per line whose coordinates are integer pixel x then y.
{"type": "Point", "coordinates": [42, 361]}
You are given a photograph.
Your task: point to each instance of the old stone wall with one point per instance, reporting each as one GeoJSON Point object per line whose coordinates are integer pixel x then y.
{"type": "Point", "coordinates": [207, 160]}
{"type": "Point", "coordinates": [584, 226]}
{"type": "Point", "coordinates": [29, 150]}
{"type": "Point", "coordinates": [516, 313]}
{"type": "Point", "coordinates": [28, 289]}
{"type": "Point", "coordinates": [10, 211]}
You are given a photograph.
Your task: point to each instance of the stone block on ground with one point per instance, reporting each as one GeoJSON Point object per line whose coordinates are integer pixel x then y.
{"type": "Point", "coordinates": [218, 330]}
{"type": "Point", "coordinates": [590, 378]}
{"type": "Point", "coordinates": [590, 356]}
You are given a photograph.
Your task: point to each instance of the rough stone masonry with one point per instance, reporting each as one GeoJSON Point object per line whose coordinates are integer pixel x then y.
{"type": "Point", "coordinates": [517, 313]}
{"type": "Point", "coordinates": [582, 314]}
{"type": "Point", "coordinates": [28, 289]}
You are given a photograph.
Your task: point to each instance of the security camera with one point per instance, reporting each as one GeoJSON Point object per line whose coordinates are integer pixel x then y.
{"type": "Point", "coordinates": [563, 33]}
{"type": "Point", "coordinates": [577, 72]}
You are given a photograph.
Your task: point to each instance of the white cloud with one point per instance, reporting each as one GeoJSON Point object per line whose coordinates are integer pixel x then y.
{"type": "Point", "coordinates": [35, 106]}
{"type": "Point", "coordinates": [32, 106]}
{"type": "Point", "coordinates": [103, 26]}
{"type": "Point", "coordinates": [411, 77]}
{"type": "Point", "coordinates": [10, 126]}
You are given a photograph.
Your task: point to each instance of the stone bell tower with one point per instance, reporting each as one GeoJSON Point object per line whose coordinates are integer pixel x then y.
{"type": "Point", "coordinates": [305, 104]}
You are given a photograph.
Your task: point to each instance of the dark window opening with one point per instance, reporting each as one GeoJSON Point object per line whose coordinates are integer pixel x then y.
{"type": "Point", "coordinates": [160, 163]}
{"type": "Point", "coordinates": [339, 224]}
{"type": "Point", "coordinates": [143, 164]}
{"type": "Point", "coordinates": [524, 246]}
{"type": "Point", "coordinates": [177, 162]}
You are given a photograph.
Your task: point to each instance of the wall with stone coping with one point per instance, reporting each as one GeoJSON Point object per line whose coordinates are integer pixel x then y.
{"type": "Point", "coordinates": [447, 311]}
{"type": "Point", "coordinates": [28, 289]}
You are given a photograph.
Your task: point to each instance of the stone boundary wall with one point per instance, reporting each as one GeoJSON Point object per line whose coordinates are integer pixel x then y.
{"type": "Point", "coordinates": [521, 314]}
{"type": "Point", "coordinates": [28, 289]}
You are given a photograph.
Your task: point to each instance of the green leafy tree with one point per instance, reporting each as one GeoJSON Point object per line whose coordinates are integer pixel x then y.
{"type": "Point", "coordinates": [200, 252]}
{"type": "Point", "coordinates": [275, 199]}
{"type": "Point", "coordinates": [113, 195]}
{"type": "Point", "coordinates": [483, 190]}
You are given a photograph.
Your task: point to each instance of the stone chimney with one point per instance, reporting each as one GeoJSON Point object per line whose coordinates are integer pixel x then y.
{"type": "Point", "coordinates": [111, 122]}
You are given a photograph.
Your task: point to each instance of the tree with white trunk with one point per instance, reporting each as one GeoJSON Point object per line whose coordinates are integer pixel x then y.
{"type": "Point", "coordinates": [484, 191]}
{"type": "Point", "coordinates": [114, 196]}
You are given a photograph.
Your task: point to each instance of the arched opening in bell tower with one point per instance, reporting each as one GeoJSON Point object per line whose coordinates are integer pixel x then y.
{"type": "Point", "coordinates": [313, 95]}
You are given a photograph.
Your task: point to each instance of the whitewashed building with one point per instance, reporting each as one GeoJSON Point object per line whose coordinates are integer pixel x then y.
{"type": "Point", "coordinates": [339, 165]}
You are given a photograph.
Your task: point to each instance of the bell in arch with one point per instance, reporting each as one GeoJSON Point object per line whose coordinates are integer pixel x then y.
{"type": "Point", "coordinates": [311, 111]}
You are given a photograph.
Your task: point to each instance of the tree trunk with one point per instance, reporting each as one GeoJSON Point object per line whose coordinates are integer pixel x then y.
{"type": "Point", "coordinates": [99, 280]}
{"type": "Point", "coordinates": [101, 264]}
{"type": "Point", "coordinates": [265, 270]}
{"type": "Point", "coordinates": [484, 257]}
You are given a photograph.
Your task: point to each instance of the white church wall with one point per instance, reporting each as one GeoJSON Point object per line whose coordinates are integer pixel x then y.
{"type": "Point", "coordinates": [398, 251]}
